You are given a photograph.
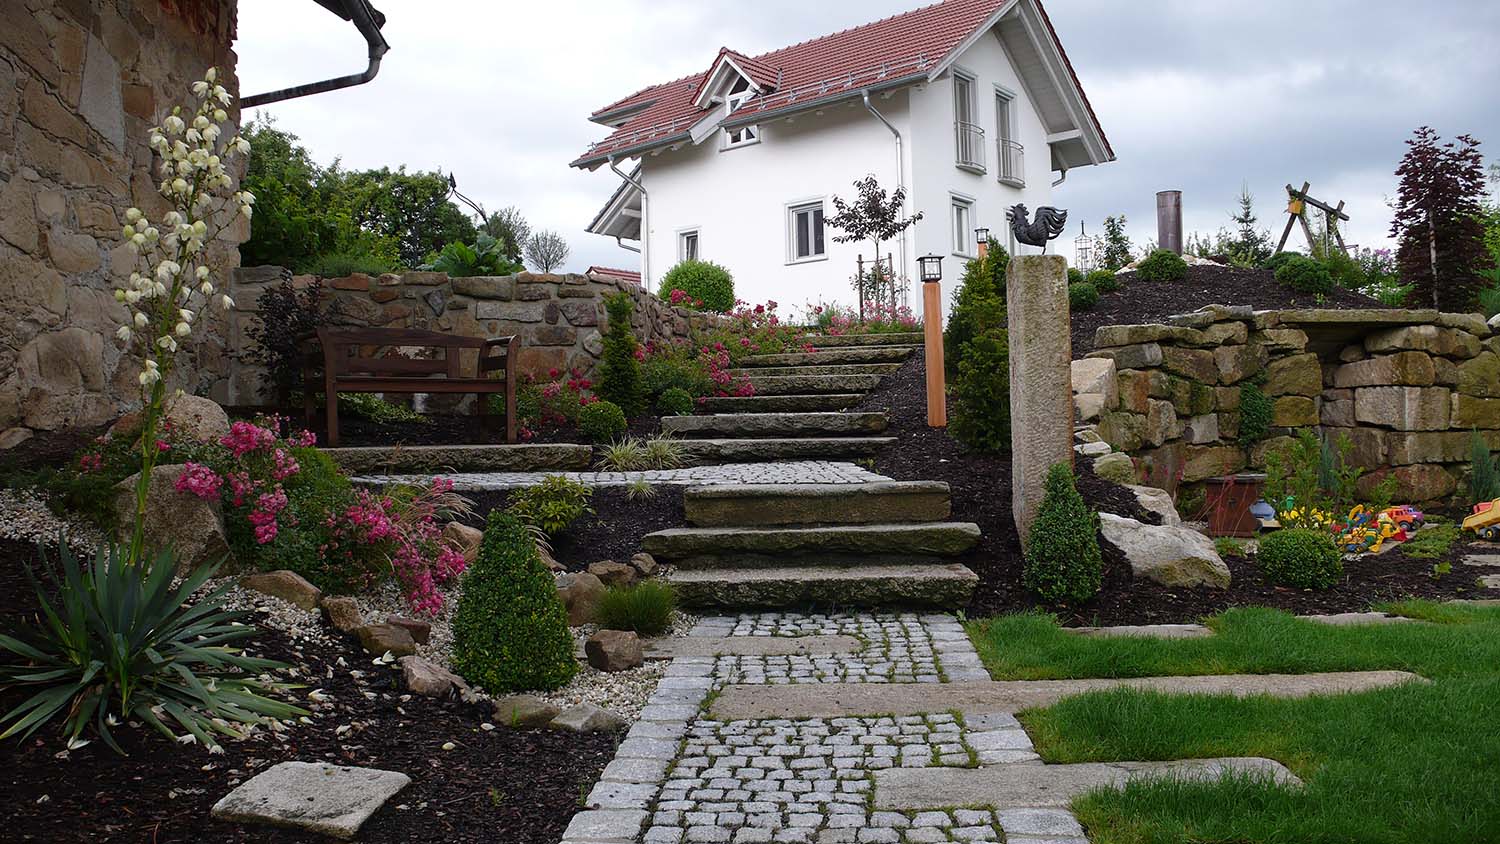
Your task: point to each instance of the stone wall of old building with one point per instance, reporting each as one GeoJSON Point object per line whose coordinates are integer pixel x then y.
{"type": "Point", "coordinates": [559, 318]}
{"type": "Point", "coordinates": [1406, 386]}
{"type": "Point", "coordinates": [80, 83]}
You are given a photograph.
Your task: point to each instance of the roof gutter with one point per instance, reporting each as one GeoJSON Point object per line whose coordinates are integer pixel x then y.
{"type": "Point", "coordinates": [645, 250]}
{"type": "Point", "coordinates": [900, 168]}
{"type": "Point", "coordinates": [368, 22]}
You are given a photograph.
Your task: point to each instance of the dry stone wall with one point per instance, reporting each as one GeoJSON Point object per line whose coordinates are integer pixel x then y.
{"type": "Point", "coordinates": [80, 82]}
{"type": "Point", "coordinates": [559, 318]}
{"type": "Point", "coordinates": [1406, 386]}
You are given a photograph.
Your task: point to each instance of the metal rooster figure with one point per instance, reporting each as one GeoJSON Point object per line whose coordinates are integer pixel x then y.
{"type": "Point", "coordinates": [1048, 224]}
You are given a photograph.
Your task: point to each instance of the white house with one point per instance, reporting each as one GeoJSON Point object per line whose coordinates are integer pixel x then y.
{"type": "Point", "coordinates": [971, 105]}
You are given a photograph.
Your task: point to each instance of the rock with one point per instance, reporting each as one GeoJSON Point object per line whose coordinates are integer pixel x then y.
{"type": "Point", "coordinates": [289, 586]}
{"type": "Point", "coordinates": [1294, 412]}
{"type": "Point", "coordinates": [427, 679]}
{"type": "Point", "coordinates": [1472, 412]}
{"type": "Point", "coordinates": [1195, 364]}
{"type": "Point", "coordinates": [1402, 408]}
{"type": "Point", "coordinates": [614, 650]}
{"type": "Point", "coordinates": [1424, 338]}
{"type": "Point", "coordinates": [545, 555]}
{"type": "Point", "coordinates": [1480, 376]}
{"type": "Point", "coordinates": [1494, 323]}
{"type": "Point", "coordinates": [312, 796]}
{"type": "Point", "coordinates": [1298, 375]}
{"type": "Point", "coordinates": [1260, 452]}
{"type": "Point", "coordinates": [1096, 376]}
{"type": "Point", "coordinates": [611, 573]}
{"type": "Point", "coordinates": [1201, 430]}
{"type": "Point", "coordinates": [587, 718]}
{"type": "Point", "coordinates": [1134, 389]}
{"type": "Point", "coordinates": [1131, 335]}
{"type": "Point", "coordinates": [644, 564]}
{"type": "Point", "coordinates": [421, 631]}
{"type": "Point", "coordinates": [1414, 369]}
{"type": "Point", "coordinates": [523, 711]}
{"type": "Point", "coordinates": [1088, 407]}
{"type": "Point", "coordinates": [12, 437]}
{"type": "Point", "coordinates": [580, 593]}
{"type": "Point", "coordinates": [1415, 484]}
{"type": "Point", "coordinates": [1093, 449]}
{"type": "Point", "coordinates": [1161, 422]}
{"type": "Point", "coordinates": [1116, 468]}
{"type": "Point", "coordinates": [191, 417]}
{"type": "Point", "coordinates": [1214, 461]}
{"type": "Point", "coordinates": [379, 639]}
{"type": "Point", "coordinates": [1226, 333]}
{"type": "Point", "coordinates": [1143, 356]}
{"type": "Point", "coordinates": [1157, 501]}
{"type": "Point", "coordinates": [192, 527]}
{"type": "Point", "coordinates": [343, 613]}
{"type": "Point", "coordinates": [1171, 556]}
{"type": "Point", "coordinates": [1282, 341]}
{"type": "Point", "coordinates": [1236, 363]}
{"type": "Point", "coordinates": [463, 538]}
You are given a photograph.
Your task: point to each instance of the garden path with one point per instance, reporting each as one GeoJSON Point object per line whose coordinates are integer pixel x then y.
{"type": "Point", "coordinates": [795, 472]}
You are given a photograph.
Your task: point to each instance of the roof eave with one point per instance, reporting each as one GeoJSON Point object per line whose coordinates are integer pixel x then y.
{"type": "Point", "coordinates": [593, 161]}
{"type": "Point", "coordinates": [750, 119]}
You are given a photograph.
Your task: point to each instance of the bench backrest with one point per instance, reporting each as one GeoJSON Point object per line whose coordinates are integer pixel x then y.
{"type": "Point", "coordinates": [359, 351]}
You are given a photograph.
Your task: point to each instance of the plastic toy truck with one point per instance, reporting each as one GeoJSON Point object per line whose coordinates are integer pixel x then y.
{"type": "Point", "coordinates": [1407, 517]}
{"type": "Point", "coordinates": [1485, 521]}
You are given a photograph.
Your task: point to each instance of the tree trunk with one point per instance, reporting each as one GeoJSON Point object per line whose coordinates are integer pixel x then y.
{"type": "Point", "coordinates": [1432, 256]}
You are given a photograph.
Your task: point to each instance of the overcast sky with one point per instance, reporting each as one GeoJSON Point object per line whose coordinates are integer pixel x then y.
{"type": "Point", "coordinates": [1197, 96]}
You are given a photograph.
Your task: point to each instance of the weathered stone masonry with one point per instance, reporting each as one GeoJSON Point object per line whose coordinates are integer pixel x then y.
{"type": "Point", "coordinates": [80, 82]}
{"type": "Point", "coordinates": [1407, 388]}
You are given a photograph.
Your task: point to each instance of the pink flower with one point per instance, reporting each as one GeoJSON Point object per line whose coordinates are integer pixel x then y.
{"type": "Point", "coordinates": [286, 465]}
{"type": "Point", "coordinates": [200, 481]}
{"type": "Point", "coordinates": [88, 463]}
{"type": "Point", "coordinates": [245, 437]}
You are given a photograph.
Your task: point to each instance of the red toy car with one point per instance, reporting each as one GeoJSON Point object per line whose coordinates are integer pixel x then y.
{"type": "Point", "coordinates": [1406, 517]}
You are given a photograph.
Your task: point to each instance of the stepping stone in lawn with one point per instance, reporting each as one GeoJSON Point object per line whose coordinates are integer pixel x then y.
{"type": "Point", "coordinates": [1348, 619]}
{"type": "Point", "coordinates": [1153, 631]}
{"type": "Point", "coordinates": [1492, 560]}
{"type": "Point", "coordinates": [317, 797]}
{"type": "Point", "coordinates": [1490, 581]}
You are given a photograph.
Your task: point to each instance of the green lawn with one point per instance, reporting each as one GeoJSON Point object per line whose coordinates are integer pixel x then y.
{"type": "Point", "coordinates": [1415, 764]}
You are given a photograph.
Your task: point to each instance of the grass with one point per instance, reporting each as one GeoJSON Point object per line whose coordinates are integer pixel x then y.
{"type": "Point", "coordinates": [645, 608]}
{"type": "Point", "coordinates": [1431, 542]}
{"type": "Point", "coordinates": [1415, 763]}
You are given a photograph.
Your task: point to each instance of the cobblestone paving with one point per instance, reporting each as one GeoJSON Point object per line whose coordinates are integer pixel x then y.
{"type": "Point", "coordinates": [798, 472]}
{"type": "Point", "coordinates": [682, 777]}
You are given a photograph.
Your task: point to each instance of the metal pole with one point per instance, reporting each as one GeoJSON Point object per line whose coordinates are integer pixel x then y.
{"type": "Point", "coordinates": [1169, 220]}
{"type": "Point", "coordinates": [932, 336]}
{"type": "Point", "coordinates": [859, 285]}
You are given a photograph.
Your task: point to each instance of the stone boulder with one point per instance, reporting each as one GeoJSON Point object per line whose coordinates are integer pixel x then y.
{"type": "Point", "coordinates": [289, 586]}
{"type": "Point", "coordinates": [587, 718]}
{"type": "Point", "coordinates": [580, 593]}
{"type": "Point", "coordinates": [464, 539]}
{"type": "Point", "coordinates": [614, 650]}
{"type": "Point", "coordinates": [1116, 468]}
{"type": "Point", "coordinates": [1096, 377]}
{"type": "Point", "coordinates": [545, 555]}
{"type": "Point", "coordinates": [1494, 323]}
{"type": "Point", "coordinates": [191, 527]}
{"type": "Point", "coordinates": [343, 614]}
{"type": "Point", "coordinates": [1157, 501]}
{"type": "Point", "coordinates": [644, 564]}
{"type": "Point", "coordinates": [191, 417]}
{"type": "Point", "coordinates": [428, 679]}
{"type": "Point", "coordinates": [421, 631]}
{"type": "Point", "coordinates": [523, 711]}
{"type": "Point", "coordinates": [380, 639]}
{"type": "Point", "coordinates": [611, 573]}
{"type": "Point", "coordinates": [1171, 556]}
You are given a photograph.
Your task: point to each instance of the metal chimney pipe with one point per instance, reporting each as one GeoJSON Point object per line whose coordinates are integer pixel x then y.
{"type": "Point", "coordinates": [1169, 220]}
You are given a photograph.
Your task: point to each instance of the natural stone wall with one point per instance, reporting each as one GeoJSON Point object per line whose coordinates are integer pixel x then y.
{"type": "Point", "coordinates": [80, 82]}
{"type": "Point", "coordinates": [559, 318]}
{"type": "Point", "coordinates": [1406, 387]}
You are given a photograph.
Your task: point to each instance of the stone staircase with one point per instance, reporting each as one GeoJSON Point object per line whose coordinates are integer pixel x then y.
{"type": "Point", "coordinates": [873, 544]}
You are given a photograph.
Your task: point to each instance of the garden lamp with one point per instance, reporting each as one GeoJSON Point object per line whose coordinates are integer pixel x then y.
{"type": "Point", "coordinates": [932, 268]}
{"type": "Point", "coordinates": [982, 239]}
{"type": "Point", "coordinates": [932, 339]}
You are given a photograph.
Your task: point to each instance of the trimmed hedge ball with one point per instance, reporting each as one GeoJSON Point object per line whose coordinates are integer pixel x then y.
{"type": "Point", "coordinates": [1305, 559]}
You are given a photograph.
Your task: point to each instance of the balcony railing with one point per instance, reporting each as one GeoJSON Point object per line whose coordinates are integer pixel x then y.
{"type": "Point", "coordinates": [969, 142]}
{"type": "Point", "coordinates": [1012, 160]}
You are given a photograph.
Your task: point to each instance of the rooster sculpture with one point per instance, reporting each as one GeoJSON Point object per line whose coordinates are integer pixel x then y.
{"type": "Point", "coordinates": [1048, 224]}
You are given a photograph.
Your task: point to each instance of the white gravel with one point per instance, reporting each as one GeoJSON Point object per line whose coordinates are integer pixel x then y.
{"type": "Point", "coordinates": [25, 516]}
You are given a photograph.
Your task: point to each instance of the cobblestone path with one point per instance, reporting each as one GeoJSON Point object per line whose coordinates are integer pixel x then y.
{"type": "Point", "coordinates": [796, 472]}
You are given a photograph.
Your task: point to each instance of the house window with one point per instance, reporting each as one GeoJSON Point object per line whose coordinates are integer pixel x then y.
{"type": "Point", "coordinates": [805, 232]}
{"type": "Point", "coordinates": [968, 135]}
{"type": "Point", "coordinates": [687, 245]}
{"type": "Point", "coordinates": [963, 227]}
{"type": "Point", "coordinates": [1010, 155]}
{"type": "Point", "coordinates": [742, 135]}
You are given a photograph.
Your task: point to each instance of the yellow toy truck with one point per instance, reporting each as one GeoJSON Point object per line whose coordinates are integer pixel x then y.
{"type": "Point", "coordinates": [1485, 521]}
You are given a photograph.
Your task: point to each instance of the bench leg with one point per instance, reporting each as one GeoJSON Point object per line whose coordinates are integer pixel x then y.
{"type": "Point", "coordinates": [333, 414]}
{"type": "Point", "coordinates": [510, 407]}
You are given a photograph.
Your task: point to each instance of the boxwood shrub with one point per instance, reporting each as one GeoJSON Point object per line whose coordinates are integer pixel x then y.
{"type": "Point", "coordinates": [510, 631]}
{"type": "Point", "coordinates": [1162, 265]}
{"type": "Point", "coordinates": [675, 401]}
{"type": "Point", "coordinates": [702, 281]}
{"type": "Point", "coordinates": [1082, 296]}
{"type": "Point", "coordinates": [1063, 563]}
{"type": "Point", "coordinates": [1104, 281]}
{"type": "Point", "coordinates": [1304, 275]}
{"type": "Point", "coordinates": [602, 421]}
{"type": "Point", "coordinates": [1302, 558]}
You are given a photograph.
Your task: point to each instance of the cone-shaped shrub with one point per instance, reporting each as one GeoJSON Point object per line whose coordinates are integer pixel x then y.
{"type": "Point", "coordinates": [620, 372]}
{"type": "Point", "coordinates": [1063, 563]}
{"type": "Point", "coordinates": [510, 632]}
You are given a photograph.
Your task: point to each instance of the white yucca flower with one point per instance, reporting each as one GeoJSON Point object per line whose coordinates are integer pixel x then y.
{"type": "Point", "coordinates": [123, 333]}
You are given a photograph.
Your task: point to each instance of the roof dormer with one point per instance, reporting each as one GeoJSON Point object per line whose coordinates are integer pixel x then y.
{"type": "Point", "coordinates": [734, 75]}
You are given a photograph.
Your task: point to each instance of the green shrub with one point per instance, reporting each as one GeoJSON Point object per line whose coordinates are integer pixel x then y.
{"type": "Point", "coordinates": [1104, 281]}
{"type": "Point", "coordinates": [1304, 275]}
{"type": "Point", "coordinates": [551, 505]}
{"type": "Point", "coordinates": [675, 401]}
{"type": "Point", "coordinates": [342, 264]}
{"type": "Point", "coordinates": [486, 257]}
{"type": "Point", "coordinates": [981, 394]}
{"type": "Point", "coordinates": [374, 408]}
{"type": "Point", "coordinates": [123, 643]}
{"type": "Point", "coordinates": [620, 372]}
{"type": "Point", "coordinates": [1484, 475]}
{"type": "Point", "coordinates": [510, 631]}
{"type": "Point", "coordinates": [1432, 542]}
{"type": "Point", "coordinates": [601, 421]}
{"type": "Point", "coordinates": [1162, 265]}
{"type": "Point", "coordinates": [978, 303]}
{"type": "Point", "coordinates": [1063, 563]}
{"type": "Point", "coordinates": [645, 608]}
{"type": "Point", "coordinates": [664, 452]}
{"type": "Point", "coordinates": [1275, 262]}
{"type": "Point", "coordinates": [1075, 275]}
{"type": "Point", "coordinates": [1082, 296]}
{"type": "Point", "coordinates": [1301, 558]}
{"type": "Point", "coordinates": [624, 455]}
{"type": "Point", "coordinates": [1489, 301]}
{"type": "Point", "coordinates": [700, 281]}
{"type": "Point", "coordinates": [676, 369]}
{"type": "Point", "coordinates": [1256, 411]}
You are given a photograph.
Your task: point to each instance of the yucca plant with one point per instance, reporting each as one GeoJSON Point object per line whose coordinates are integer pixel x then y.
{"type": "Point", "coordinates": [122, 642]}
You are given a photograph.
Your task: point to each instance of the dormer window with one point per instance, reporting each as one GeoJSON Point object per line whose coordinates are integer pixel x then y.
{"type": "Point", "coordinates": [740, 135]}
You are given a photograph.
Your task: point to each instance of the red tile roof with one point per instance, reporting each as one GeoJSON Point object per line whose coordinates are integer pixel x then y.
{"type": "Point", "coordinates": [612, 272]}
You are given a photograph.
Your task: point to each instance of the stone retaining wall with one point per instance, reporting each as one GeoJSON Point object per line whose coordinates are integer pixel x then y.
{"type": "Point", "coordinates": [1406, 386]}
{"type": "Point", "coordinates": [560, 318]}
{"type": "Point", "coordinates": [79, 85]}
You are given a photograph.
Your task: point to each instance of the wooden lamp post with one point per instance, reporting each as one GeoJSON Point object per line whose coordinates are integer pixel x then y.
{"type": "Point", "coordinates": [932, 330]}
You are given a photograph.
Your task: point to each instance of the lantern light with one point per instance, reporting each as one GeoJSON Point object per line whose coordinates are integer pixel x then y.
{"type": "Point", "coordinates": [932, 268]}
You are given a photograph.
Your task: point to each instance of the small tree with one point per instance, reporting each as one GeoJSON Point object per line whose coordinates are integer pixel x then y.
{"type": "Point", "coordinates": [1438, 221]}
{"type": "Point", "coordinates": [620, 373]}
{"type": "Point", "coordinates": [546, 250]}
{"type": "Point", "coordinates": [1250, 245]}
{"type": "Point", "coordinates": [1063, 563]}
{"type": "Point", "coordinates": [1117, 246]}
{"type": "Point", "coordinates": [874, 216]}
{"type": "Point", "coordinates": [509, 227]}
{"type": "Point", "coordinates": [1484, 475]}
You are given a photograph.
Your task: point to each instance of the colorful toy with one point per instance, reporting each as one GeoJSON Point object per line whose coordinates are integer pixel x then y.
{"type": "Point", "coordinates": [1485, 521]}
{"type": "Point", "coordinates": [1366, 532]}
{"type": "Point", "coordinates": [1408, 517]}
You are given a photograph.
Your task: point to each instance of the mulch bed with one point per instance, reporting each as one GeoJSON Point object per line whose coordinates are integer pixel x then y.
{"type": "Point", "coordinates": [981, 488]}
{"type": "Point", "coordinates": [1139, 302]}
{"type": "Point", "coordinates": [612, 531]}
{"type": "Point", "coordinates": [496, 785]}
{"type": "Point", "coordinates": [438, 428]}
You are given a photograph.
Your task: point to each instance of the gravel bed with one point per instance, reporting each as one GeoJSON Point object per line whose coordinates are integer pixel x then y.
{"type": "Point", "coordinates": [25, 516]}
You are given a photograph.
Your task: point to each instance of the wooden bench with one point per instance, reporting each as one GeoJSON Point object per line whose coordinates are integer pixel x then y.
{"type": "Point", "coordinates": [353, 360]}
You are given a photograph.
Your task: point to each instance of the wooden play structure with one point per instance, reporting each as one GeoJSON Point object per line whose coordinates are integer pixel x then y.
{"type": "Point", "coordinates": [1296, 209]}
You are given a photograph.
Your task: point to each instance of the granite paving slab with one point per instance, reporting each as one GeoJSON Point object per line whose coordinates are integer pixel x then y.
{"type": "Point", "coordinates": [313, 796]}
{"type": "Point", "coordinates": [792, 472]}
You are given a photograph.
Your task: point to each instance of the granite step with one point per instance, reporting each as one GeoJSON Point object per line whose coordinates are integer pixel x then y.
{"type": "Point", "coordinates": [802, 385]}
{"type": "Point", "coordinates": [767, 505]}
{"type": "Point", "coordinates": [781, 404]}
{"type": "Point", "coordinates": [840, 341]}
{"type": "Point", "coordinates": [775, 424]}
{"type": "Point", "coordinates": [851, 355]}
{"type": "Point", "coordinates": [816, 369]}
{"type": "Point", "coordinates": [861, 545]}
{"type": "Point", "coordinates": [943, 586]}
{"type": "Point", "coordinates": [779, 449]}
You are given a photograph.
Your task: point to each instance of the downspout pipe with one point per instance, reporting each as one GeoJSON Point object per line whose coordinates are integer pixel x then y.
{"type": "Point", "coordinates": [368, 22]}
{"type": "Point", "coordinates": [645, 250]}
{"type": "Point", "coordinates": [1062, 178]}
{"type": "Point", "coordinates": [900, 165]}
{"type": "Point", "coordinates": [620, 242]}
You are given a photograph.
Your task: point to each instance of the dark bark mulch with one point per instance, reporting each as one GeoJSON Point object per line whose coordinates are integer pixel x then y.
{"type": "Point", "coordinates": [496, 785]}
{"type": "Point", "coordinates": [612, 532]}
{"type": "Point", "coordinates": [1148, 302]}
{"type": "Point", "coordinates": [47, 449]}
{"type": "Point", "coordinates": [981, 486]}
{"type": "Point", "coordinates": [439, 428]}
